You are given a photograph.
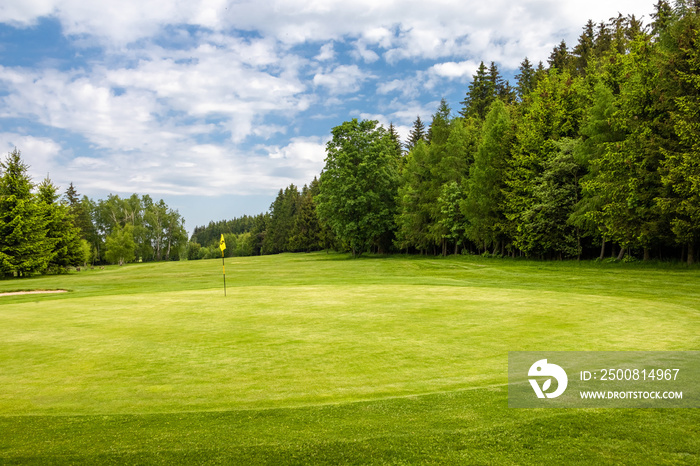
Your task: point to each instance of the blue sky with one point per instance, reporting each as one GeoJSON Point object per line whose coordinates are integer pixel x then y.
{"type": "Point", "coordinates": [215, 105]}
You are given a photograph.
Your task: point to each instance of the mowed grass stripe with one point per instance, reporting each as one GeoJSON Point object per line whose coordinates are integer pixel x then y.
{"type": "Point", "coordinates": [468, 427]}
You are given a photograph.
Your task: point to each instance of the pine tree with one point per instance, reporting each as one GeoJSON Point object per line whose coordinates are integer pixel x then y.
{"type": "Point", "coordinates": [460, 148]}
{"type": "Point", "coordinates": [439, 129]}
{"type": "Point", "coordinates": [481, 93]}
{"type": "Point", "coordinates": [662, 16]}
{"type": "Point", "coordinates": [626, 175]}
{"type": "Point", "coordinates": [394, 135]}
{"type": "Point", "coordinates": [439, 135]}
{"type": "Point", "coordinates": [62, 236]}
{"type": "Point", "coordinates": [526, 79]}
{"type": "Point", "coordinates": [680, 71]}
{"type": "Point", "coordinates": [282, 213]}
{"type": "Point", "coordinates": [417, 134]}
{"type": "Point", "coordinates": [483, 205]}
{"type": "Point", "coordinates": [603, 40]}
{"type": "Point", "coordinates": [413, 217]}
{"type": "Point", "coordinates": [24, 248]}
{"type": "Point", "coordinates": [501, 87]}
{"type": "Point", "coordinates": [597, 133]}
{"type": "Point", "coordinates": [583, 51]}
{"type": "Point", "coordinates": [540, 169]}
{"type": "Point", "coordinates": [306, 231]}
{"type": "Point", "coordinates": [80, 214]}
{"type": "Point", "coordinates": [559, 58]}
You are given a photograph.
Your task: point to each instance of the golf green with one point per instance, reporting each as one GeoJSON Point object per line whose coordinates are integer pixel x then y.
{"type": "Point", "coordinates": [319, 358]}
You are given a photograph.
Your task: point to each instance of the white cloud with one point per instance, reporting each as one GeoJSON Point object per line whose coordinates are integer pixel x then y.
{"type": "Point", "coordinates": [38, 153]}
{"type": "Point", "coordinates": [361, 52]}
{"type": "Point", "coordinates": [343, 79]}
{"type": "Point", "coordinates": [454, 70]}
{"type": "Point", "coordinates": [300, 149]}
{"type": "Point", "coordinates": [404, 29]}
{"type": "Point", "coordinates": [409, 87]}
{"type": "Point", "coordinates": [326, 53]}
{"type": "Point", "coordinates": [25, 13]}
{"type": "Point", "coordinates": [155, 102]}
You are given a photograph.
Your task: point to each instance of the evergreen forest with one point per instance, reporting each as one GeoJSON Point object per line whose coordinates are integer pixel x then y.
{"type": "Point", "coordinates": [594, 154]}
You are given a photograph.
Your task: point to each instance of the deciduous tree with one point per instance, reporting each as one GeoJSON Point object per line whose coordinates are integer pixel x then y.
{"type": "Point", "coordinates": [358, 184]}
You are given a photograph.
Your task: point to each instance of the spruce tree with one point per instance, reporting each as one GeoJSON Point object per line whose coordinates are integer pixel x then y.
{"type": "Point", "coordinates": [583, 51]}
{"type": "Point", "coordinates": [526, 79]}
{"type": "Point", "coordinates": [501, 87]}
{"type": "Point", "coordinates": [626, 174]}
{"type": "Point", "coordinates": [481, 93]}
{"type": "Point", "coordinates": [282, 213]}
{"type": "Point", "coordinates": [439, 129]}
{"type": "Point", "coordinates": [679, 64]}
{"type": "Point", "coordinates": [603, 40]}
{"type": "Point", "coordinates": [24, 248]}
{"type": "Point", "coordinates": [559, 58]}
{"type": "Point", "coordinates": [306, 231]}
{"type": "Point", "coordinates": [483, 204]}
{"type": "Point", "coordinates": [662, 16]}
{"type": "Point", "coordinates": [413, 217]}
{"type": "Point", "coordinates": [540, 170]}
{"type": "Point", "coordinates": [79, 212]}
{"type": "Point", "coordinates": [394, 135]}
{"type": "Point", "coordinates": [417, 134]}
{"type": "Point", "coordinates": [62, 236]}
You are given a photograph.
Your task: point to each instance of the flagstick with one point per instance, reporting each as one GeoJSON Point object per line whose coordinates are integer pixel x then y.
{"type": "Point", "coordinates": [223, 267]}
{"type": "Point", "coordinates": [222, 246]}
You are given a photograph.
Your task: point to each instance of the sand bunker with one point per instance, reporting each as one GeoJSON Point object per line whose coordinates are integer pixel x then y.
{"type": "Point", "coordinates": [13, 293]}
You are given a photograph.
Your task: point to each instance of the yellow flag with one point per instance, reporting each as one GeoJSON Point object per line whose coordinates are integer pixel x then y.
{"type": "Point", "coordinates": [222, 244]}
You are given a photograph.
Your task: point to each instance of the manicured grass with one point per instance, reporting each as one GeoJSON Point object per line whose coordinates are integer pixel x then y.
{"type": "Point", "coordinates": [318, 358]}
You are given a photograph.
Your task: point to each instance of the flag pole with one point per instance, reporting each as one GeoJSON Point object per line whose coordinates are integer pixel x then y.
{"type": "Point", "coordinates": [222, 246]}
{"type": "Point", "coordinates": [223, 267]}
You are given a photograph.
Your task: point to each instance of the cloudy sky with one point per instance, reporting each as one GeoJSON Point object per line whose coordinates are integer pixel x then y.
{"type": "Point", "coordinates": [214, 105]}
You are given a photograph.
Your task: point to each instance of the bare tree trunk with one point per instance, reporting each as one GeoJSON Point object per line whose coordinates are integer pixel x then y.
{"type": "Point", "coordinates": [691, 252]}
{"type": "Point", "coordinates": [646, 254]}
{"type": "Point", "coordinates": [579, 249]}
{"type": "Point", "coordinates": [602, 250]}
{"type": "Point", "coordinates": [456, 247]}
{"type": "Point", "coordinates": [621, 255]}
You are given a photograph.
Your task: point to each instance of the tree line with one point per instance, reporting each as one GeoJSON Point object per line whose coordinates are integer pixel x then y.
{"type": "Point", "coordinates": [594, 154]}
{"type": "Point", "coordinates": [42, 231]}
{"type": "Point", "coordinates": [291, 225]}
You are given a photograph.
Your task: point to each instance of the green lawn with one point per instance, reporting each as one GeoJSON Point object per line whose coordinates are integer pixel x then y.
{"type": "Point", "coordinates": [318, 358]}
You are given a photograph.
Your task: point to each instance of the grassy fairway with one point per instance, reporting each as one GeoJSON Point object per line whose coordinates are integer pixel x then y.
{"type": "Point", "coordinates": [317, 358]}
